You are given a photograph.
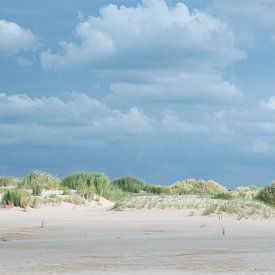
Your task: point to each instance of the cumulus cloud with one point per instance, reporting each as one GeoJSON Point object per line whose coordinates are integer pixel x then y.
{"type": "Point", "coordinates": [14, 39]}
{"type": "Point", "coordinates": [151, 35]}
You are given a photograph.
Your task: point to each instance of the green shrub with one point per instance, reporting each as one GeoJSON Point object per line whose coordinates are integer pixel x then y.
{"type": "Point", "coordinates": [37, 189]}
{"type": "Point", "coordinates": [223, 196]}
{"type": "Point", "coordinates": [46, 180]}
{"type": "Point", "coordinates": [129, 184]}
{"type": "Point", "coordinates": [16, 197]}
{"type": "Point", "coordinates": [267, 194]}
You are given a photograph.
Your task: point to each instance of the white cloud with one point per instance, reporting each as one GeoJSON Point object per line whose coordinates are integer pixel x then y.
{"type": "Point", "coordinates": [14, 38]}
{"type": "Point", "coordinates": [177, 86]}
{"type": "Point", "coordinates": [151, 35]}
{"type": "Point", "coordinates": [79, 120]}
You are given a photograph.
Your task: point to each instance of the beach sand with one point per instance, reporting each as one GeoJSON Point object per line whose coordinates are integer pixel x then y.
{"type": "Point", "coordinates": [81, 240]}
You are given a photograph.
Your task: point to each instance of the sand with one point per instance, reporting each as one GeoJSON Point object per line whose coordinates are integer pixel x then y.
{"type": "Point", "coordinates": [84, 240]}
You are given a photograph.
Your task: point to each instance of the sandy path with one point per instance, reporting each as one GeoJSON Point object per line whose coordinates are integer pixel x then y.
{"type": "Point", "coordinates": [77, 240]}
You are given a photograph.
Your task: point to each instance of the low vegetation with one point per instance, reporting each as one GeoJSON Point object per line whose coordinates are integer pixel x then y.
{"type": "Point", "coordinates": [88, 185]}
{"type": "Point", "coordinates": [223, 196]}
{"type": "Point", "coordinates": [267, 194]}
{"type": "Point", "coordinates": [201, 187]}
{"type": "Point", "coordinates": [45, 180]}
{"type": "Point", "coordinates": [16, 197]}
{"type": "Point", "coordinates": [9, 181]}
{"type": "Point", "coordinates": [129, 184]}
{"type": "Point", "coordinates": [199, 196]}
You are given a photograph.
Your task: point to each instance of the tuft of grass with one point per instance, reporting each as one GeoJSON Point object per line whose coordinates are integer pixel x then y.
{"type": "Point", "coordinates": [35, 202]}
{"type": "Point", "coordinates": [267, 194]}
{"type": "Point", "coordinates": [16, 197]}
{"type": "Point", "coordinates": [46, 180]}
{"type": "Point", "coordinates": [88, 185]}
{"type": "Point", "coordinates": [223, 196]}
{"type": "Point", "coordinates": [37, 189]}
{"type": "Point", "coordinates": [129, 184]}
{"type": "Point", "coordinates": [155, 189]}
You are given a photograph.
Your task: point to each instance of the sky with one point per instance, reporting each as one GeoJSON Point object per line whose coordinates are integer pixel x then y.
{"type": "Point", "coordinates": [160, 90]}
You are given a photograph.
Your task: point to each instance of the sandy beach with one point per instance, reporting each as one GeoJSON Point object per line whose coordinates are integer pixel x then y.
{"type": "Point", "coordinates": [80, 240]}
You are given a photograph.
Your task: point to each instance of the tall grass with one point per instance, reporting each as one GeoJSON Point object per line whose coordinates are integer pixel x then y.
{"type": "Point", "coordinates": [9, 181]}
{"type": "Point", "coordinates": [129, 184]}
{"type": "Point", "coordinates": [37, 189]}
{"type": "Point", "coordinates": [156, 189]}
{"type": "Point", "coordinates": [16, 197]}
{"type": "Point", "coordinates": [89, 184]}
{"type": "Point", "coordinates": [246, 192]}
{"type": "Point", "coordinates": [267, 194]}
{"type": "Point", "coordinates": [223, 196]}
{"type": "Point", "coordinates": [46, 180]}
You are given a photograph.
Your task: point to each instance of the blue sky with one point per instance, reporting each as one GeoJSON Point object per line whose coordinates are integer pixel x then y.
{"type": "Point", "coordinates": [162, 90]}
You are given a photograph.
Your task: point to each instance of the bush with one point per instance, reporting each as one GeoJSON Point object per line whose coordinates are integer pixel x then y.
{"type": "Point", "coordinates": [223, 196]}
{"type": "Point", "coordinates": [47, 181]}
{"type": "Point", "coordinates": [16, 197]}
{"type": "Point", "coordinates": [129, 184]}
{"type": "Point", "coordinates": [267, 194]}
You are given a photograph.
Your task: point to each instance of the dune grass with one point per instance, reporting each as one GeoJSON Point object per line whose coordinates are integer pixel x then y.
{"type": "Point", "coordinates": [88, 185]}
{"type": "Point", "coordinates": [223, 196]}
{"type": "Point", "coordinates": [6, 181]}
{"type": "Point", "coordinates": [267, 195]}
{"type": "Point", "coordinates": [45, 180]}
{"type": "Point", "coordinates": [197, 187]}
{"type": "Point", "coordinates": [129, 184]}
{"type": "Point", "coordinates": [37, 189]}
{"type": "Point", "coordinates": [16, 197]}
{"type": "Point", "coordinates": [200, 205]}
{"type": "Point", "coordinates": [202, 197]}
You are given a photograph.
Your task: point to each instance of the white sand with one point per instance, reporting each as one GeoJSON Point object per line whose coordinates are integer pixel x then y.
{"type": "Point", "coordinates": [85, 240]}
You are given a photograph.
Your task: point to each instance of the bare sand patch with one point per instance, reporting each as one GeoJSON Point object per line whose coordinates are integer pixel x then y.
{"type": "Point", "coordinates": [72, 239]}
